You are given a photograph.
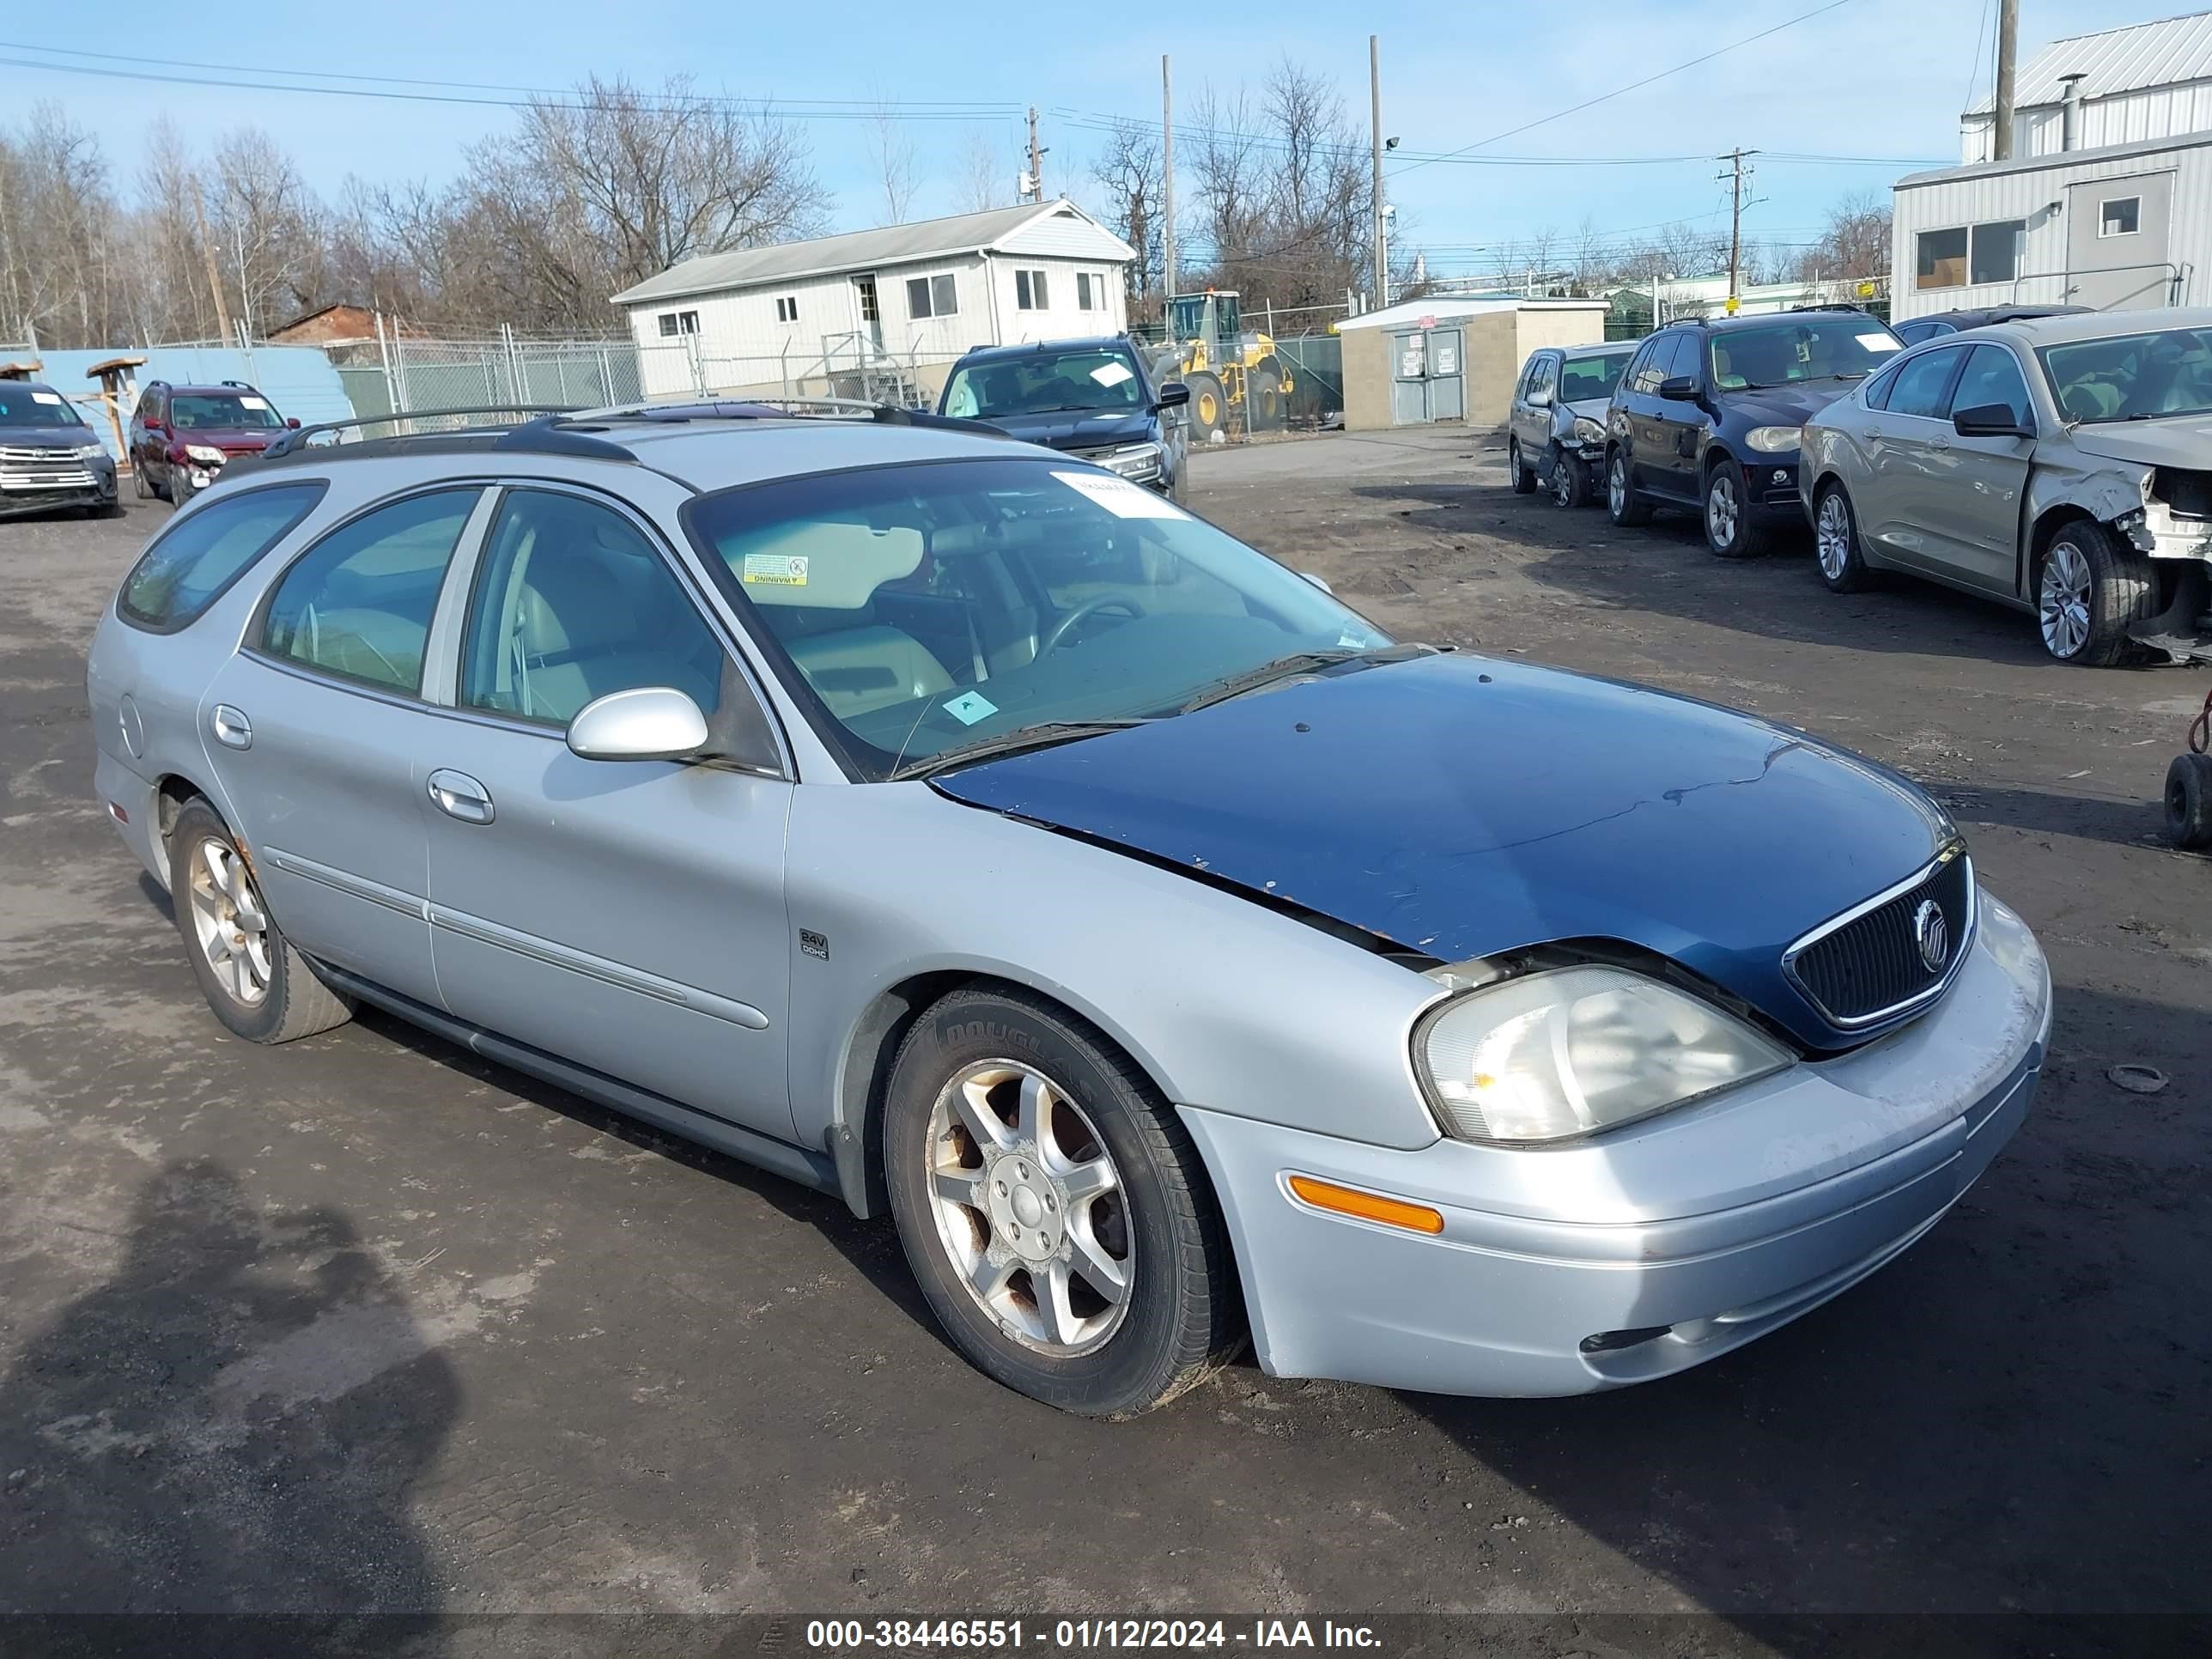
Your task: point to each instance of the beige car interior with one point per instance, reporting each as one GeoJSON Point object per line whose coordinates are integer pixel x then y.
{"type": "Point", "coordinates": [816, 584]}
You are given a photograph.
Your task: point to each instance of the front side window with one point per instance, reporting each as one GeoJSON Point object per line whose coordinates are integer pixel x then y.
{"type": "Point", "coordinates": [358, 603]}
{"type": "Point", "coordinates": [1918, 389]}
{"type": "Point", "coordinates": [2123, 377]}
{"type": "Point", "coordinates": [1992, 377]}
{"type": "Point", "coordinates": [1939, 258]}
{"type": "Point", "coordinates": [204, 412]}
{"type": "Point", "coordinates": [2121, 216]}
{"type": "Point", "coordinates": [932, 297]}
{"type": "Point", "coordinates": [1035, 384]}
{"type": "Point", "coordinates": [191, 564]}
{"type": "Point", "coordinates": [926, 605]}
{"type": "Point", "coordinates": [34, 405]}
{"type": "Point", "coordinates": [1843, 345]}
{"type": "Point", "coordinates": [1997, 251]}
{"type": "Point", "coordinates": [573, 602]}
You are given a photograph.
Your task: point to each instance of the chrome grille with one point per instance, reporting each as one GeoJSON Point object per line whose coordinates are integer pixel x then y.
{"type": "Point", "coordinates": [15, 455]}
{"type": "Point", "coordinates": [71, 476]}
{"type": "Point", "coordinates": [1867, 965]}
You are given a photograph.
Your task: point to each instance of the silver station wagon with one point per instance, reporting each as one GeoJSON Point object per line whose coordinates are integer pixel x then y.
{"type": "Point", "coordinates": [962, 830]}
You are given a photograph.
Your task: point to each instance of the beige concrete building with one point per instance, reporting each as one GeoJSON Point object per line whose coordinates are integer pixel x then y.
{"type": "Point", "coordinates": [1422, 362]}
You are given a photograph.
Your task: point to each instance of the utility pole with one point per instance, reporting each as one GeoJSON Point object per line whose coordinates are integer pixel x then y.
{"type": "Point", "coordinates": [207, 259]}
{"type": "Point", "coordinates": [1036, 160]}
{"type": "Point", "coordinates": [1167, 189]}
{"type": "Point", "coordinates": [1736, 175]}
{"type": "Point", "coordinates": [2008, 49]}
{"type": "Point", "coordinates": [1374, 103]}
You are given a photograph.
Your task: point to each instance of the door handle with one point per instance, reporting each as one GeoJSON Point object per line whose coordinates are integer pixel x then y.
{"type": "Point", "coordinates": [459, 796]}
{"type": "Point", "coordinates": [231, 727]}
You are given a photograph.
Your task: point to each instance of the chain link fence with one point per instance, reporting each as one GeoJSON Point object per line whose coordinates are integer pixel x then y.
{"type": "Point", "coordinates": [407, 372]}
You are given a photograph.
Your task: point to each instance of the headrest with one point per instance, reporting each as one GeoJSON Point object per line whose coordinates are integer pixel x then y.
{"type": "Point", "coordinates": [572, 602]}
{"type": "Point", "coordinates": [825, 567]}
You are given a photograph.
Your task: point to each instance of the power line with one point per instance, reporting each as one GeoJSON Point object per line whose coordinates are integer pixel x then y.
{"type": "Point", "coordinates": [1590, 103]}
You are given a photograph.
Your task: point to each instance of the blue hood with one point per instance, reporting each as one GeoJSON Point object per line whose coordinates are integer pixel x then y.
{"type": "Point", "coordinates": [1463, 807]}
{"type": "Point", "coordinates": [1077, 429]}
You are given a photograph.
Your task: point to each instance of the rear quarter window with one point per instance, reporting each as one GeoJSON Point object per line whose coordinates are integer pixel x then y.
{"type": "Point", "coordinates": [193, 563]}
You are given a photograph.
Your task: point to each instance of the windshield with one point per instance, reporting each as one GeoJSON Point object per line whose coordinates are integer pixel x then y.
{"type": "Point", "coordinates": [2132, 376]}
{"type": "Point", "coordinates": [1846, 344]}
{"type": "Point", "coordinates": [203, 412]}
{"type": "Point", "coordinates": [33, 405]}
{"type": "Point", "coordinates": [928, 606]}
{"type": "Point", "coordinates": [1585, 378]}
{"type": "Point", "coordinates": [1100, 380]}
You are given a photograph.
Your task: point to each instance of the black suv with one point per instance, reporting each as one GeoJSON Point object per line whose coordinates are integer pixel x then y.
{"type": "Point", "coordinates": [1095, 398]}
{"type": "Point", "coordinates": [1707, 415]}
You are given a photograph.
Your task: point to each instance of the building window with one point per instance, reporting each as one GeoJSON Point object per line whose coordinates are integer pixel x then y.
{"type": "Point", "coordinates": [931, 296]}
{"type": "Point", "coordinates": [2121, 216]}
{"type": "Point", "coordinates": [1997, 251]}
{"type": "Point", "coordinates": [1089, 292]}
{"type": "Point", "coordinates": [1941, 259]}
{"type": "Point", "coordinates": [673, 323]}
{"type": "Point", "coordinates": [1030, 291]}
{"type": "Point", "coordinates": [787, 308]}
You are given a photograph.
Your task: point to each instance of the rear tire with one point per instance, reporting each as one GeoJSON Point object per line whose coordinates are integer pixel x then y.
{"type": "Point", "coordinates": [138, 481]}
{"type": "Point", "coordinates": [1729, 531]}
{"type": "Point", "coordinates": [1836, 543]}
{"type": "Point", "coordinates": [1622, 504]}
{"type": "Point", "coordinates": [2090, 591]}
{"type": "Point", "coordinates": [1524, 480]}
{"type": "Point", "coordinates": [2189, 803]}
{"type": "Point", "coordinates": [1093, 1167]}
{"type": "Point", "coordinates": [258, 985]}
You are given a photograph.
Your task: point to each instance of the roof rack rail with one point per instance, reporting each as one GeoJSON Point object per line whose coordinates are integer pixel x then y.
{"type": "Point", "coordinates": [779, 408]}
{"type": "Point", "coordinates": [296, 438]}
{"type": "Point", "coordinates": [1830, 305]}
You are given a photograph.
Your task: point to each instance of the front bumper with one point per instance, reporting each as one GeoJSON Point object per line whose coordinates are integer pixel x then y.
{"type": "Point", "coordinates": [46, 487]}
{"type": "Point", "coordinates": [1770, 485]}
{"type": "Point", "coordinates": [1648, 1250]}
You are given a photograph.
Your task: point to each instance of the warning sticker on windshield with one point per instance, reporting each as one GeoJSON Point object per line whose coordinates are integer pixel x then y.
{"type": "Point", "coordinates": [249, 401]}
{"type": "Point", "coordinates": [1877, 342]}
{"type": "Point", "coordinates": [774, 569]}
{"type": "Point", "coordinates": [1120, 497]}
{"type": "Point", "coordinates": [969, 707]}
{"type": "Point", "coordinates": [1112, 373]}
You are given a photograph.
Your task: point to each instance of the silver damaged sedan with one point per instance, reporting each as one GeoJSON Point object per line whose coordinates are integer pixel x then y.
{"type": "Point", "coordinates": [1176, 958]}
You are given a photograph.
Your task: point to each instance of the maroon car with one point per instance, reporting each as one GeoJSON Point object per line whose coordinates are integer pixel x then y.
{"type": "Point", "coordinates": [182, 436]}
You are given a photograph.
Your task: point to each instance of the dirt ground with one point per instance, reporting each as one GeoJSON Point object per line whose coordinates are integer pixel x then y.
{"type": "Point", "coordinates": [365, 1324]}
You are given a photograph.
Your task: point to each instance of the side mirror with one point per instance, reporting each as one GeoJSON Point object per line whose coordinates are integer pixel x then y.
{"type": "Point", "coordinates": [1317, 581]}
{"type": "Point", "coordinates": [1679, 388]}
{"type": "Point", "coordinates": [1174, 395]}
{"type": "Point", "coordinates": [292, 422]}
{"type": "Point", "coordinates": [1988, 420]}
{"type": "Point", "coordinates": [651, 722]}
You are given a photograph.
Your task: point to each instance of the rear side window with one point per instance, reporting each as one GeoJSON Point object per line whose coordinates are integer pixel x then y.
{"type": "Point", "coordinates": [188, 569]}
{"type": "Point", "coordinates": [358, 603]}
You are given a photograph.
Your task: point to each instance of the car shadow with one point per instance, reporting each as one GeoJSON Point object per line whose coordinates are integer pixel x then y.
{"type": "Point", "coordinates": [234, 1421]}
{"type": "Point", "coordinates": [2006, 1418]}
{"type": "Point", "coordinates": [2122, 823]}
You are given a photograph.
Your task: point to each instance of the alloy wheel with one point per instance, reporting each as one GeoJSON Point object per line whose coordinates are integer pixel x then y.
{"type": "Point", "coordinates": [1562, 486]}
{"type": "Point", "coordinates": [229, 923]}
{"type": "Point", "coordinates": [1030, 1208]}
{"type": "Point", "coordinates": [1616, 485]}
{"type": "Point", "coordinates": [1831, 536]}
{"type": "Point", "coordinates": [2062, 607]}
{"type": "Point", "coordinates": [1723, 510]}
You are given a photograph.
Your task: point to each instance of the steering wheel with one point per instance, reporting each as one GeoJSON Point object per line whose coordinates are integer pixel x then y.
{"type": "Point", "coordinates": [1090, 607]}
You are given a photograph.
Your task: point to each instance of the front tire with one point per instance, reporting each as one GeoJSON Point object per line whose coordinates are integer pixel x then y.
{"type": "Point", "coordinates": [255, 981]}
{"type": "Point", "coordinates": [1206, 407]}
{"type": "Point", "coordinates": [1570, 481]}
{"type": "Point", "coordinates": [1263, 392]}
{"type": "Point", "coordinates": [1622, 504]}
{"type": "Point", "coordinates": [2189, 802]}
{"type": "Point", "coordinates": [1524, 480]}
{"type": "Point", "coordinates": [1729, 531]}
{"type": "Point", "coordinates": [2090, 590]}
{"type": "Point", "coordinates": [1054, 1208]}
{"type": "Point", "coordinates": [1836, 543]}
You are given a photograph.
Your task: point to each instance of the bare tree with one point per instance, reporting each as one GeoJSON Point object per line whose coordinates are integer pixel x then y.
{"type": "Point", "coordinates": [1128, 172]}
{"type": "Point", "coordinates": [1854, 244]}
{"type": "Point", "coordinates": [899, 165]}
{"type": "Point", "coordinates": [986, 176]}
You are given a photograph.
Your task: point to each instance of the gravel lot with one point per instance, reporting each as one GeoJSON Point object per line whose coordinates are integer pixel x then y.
{"type": "Point", "coordinates": [364, 1323]}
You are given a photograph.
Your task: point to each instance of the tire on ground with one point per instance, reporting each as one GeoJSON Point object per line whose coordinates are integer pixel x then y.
{"type": "Point", "coordinates": [1524, 475]}
{"type": "Point", "coordinates": [2189, 803]}
{"type": "Point", "coordinates": [1749, 539]}
{"type": "Point", "coordinates": [1184, 1318]}
{"type": "Point", "coordinates": [1854, 575]}
{"type": "Point", "coordinates": [1208, 412]}
{"type": "Point", "coordinates": [2122, 591]}
{"type": "Point", "coordinates": [1622, 504]}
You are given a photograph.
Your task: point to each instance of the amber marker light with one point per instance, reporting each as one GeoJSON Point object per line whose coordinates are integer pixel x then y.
{"type": "Point", "coordinates": [1367, 1206]}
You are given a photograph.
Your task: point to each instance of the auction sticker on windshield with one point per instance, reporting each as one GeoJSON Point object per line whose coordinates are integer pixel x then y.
{"type": "Point", "coordinates": [969, 707]}
{"type": "Point", "coordinates": [1876, 342]}
{"type": "Point", "coordinates": [1111, 374]}
{"type": "Point", "coordinates": [1120, 497]}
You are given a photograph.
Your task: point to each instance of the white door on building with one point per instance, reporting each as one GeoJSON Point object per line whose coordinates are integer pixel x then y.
{"type": "Point", "coordinates": [2116, 249]}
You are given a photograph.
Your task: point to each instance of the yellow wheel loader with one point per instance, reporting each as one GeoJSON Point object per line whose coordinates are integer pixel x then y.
{"type": "Point", "coordinates": [1226, 367]}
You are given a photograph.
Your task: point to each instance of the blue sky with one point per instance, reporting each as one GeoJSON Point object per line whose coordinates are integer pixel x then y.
{"type": "Point", "coordinates": [1877, 78]}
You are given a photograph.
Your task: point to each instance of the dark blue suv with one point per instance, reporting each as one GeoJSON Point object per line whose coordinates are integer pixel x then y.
{"type": "Point", "coordinates": [1095, 398]}
{"type": "Point", "coordinates": [1708, 413]}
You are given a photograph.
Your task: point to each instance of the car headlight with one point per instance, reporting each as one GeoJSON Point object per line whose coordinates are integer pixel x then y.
{"type": "Point", "coordinates": [1571, 1051]}
{"type": "Point", "coordinates": [1135, 461]}
{"type": "Point", "coordinates": [1588, 431]}
{"type": "Point", "coordinates": [1773, 440]}
{"type": "Point", "coordinates": [90, 452]}
{"type": "Point", "coordinates": [204, 452]}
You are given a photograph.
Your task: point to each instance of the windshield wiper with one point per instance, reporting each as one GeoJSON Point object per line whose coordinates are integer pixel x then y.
{"type": "Point", "coordinates": [1039, 735]}
{"type": "Point", "coordinates": [1298, 662]}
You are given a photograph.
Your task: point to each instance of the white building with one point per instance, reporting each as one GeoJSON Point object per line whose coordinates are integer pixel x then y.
{"type": "Point", "coordinates": [899, 303]}
{"type": "Point", "coordinates": [2108, 201]}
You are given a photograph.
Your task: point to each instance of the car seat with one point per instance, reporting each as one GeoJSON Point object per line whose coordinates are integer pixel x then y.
{"type": "Point", "coordinates": [814, 585]}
